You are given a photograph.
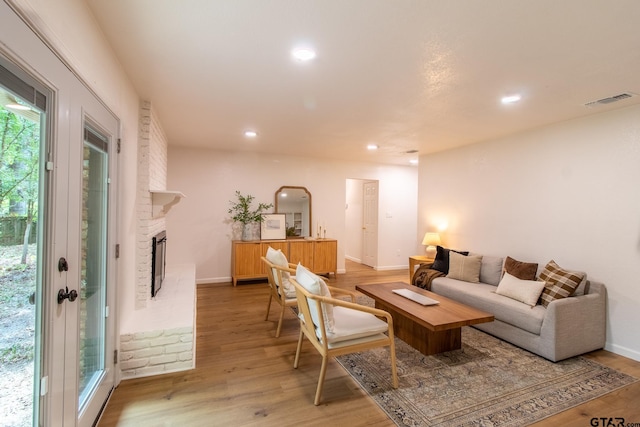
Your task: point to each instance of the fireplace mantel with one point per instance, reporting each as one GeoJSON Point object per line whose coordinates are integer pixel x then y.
{"type": "Point", "coordinates": [163, 200]}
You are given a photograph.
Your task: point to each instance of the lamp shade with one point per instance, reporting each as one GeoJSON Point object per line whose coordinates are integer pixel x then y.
{"type": "Point", "coordinates": [431, 239]}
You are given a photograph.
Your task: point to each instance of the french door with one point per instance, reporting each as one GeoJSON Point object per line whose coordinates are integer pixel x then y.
{"type": "Point", "coordinates": [70, 368]}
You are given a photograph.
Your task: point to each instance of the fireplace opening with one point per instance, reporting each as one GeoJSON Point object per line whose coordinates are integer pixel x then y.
{"type": "Point", "coordinates": [158, 261]}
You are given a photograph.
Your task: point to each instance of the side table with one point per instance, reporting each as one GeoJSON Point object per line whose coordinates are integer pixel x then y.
{"type": "Point", "coordinates": [416, 260]}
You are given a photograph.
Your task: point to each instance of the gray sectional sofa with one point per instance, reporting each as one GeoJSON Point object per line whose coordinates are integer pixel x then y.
{"type": "Point", "coordinates": [565, 327]}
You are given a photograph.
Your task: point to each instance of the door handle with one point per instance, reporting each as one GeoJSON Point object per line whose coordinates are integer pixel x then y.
{"type": "Point", "coordinates": [63, 265]}
{"type": "Point", "coordinates": [65, 294]}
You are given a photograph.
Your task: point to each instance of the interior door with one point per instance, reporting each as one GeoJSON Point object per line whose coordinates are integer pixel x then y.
{"type": "Point", "coordinates": [370, 223]}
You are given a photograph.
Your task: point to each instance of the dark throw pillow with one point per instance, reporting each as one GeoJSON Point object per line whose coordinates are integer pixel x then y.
{"type": "Point", "coordinates": [441, 262]}
{"type": "Point", "coordinates": [521, 270]}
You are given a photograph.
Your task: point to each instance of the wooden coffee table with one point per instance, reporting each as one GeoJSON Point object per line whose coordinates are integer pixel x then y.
{"type": "Point", "coordinates": [429, 329]}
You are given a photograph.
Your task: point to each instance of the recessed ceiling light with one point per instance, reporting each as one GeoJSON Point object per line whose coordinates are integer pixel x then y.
{"type": "Point", "coordinates": [511, 99]}
{"type": "Point", "coordinates": [250, 134]}
{"type": "Point", "coordinates": [303, 54]}
{"type": "Point", "coordinates": [413, 161]}
{"type": "Point", "coordinates": [372, 147]}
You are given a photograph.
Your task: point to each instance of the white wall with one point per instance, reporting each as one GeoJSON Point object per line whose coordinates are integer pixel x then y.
{"type": "Point", "coordinates": [567, 192]}
{"type": "Point", "coordinates": [198, 228]}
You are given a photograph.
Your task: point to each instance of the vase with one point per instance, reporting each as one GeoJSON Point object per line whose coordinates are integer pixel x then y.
{"type": "Point", "coordinates": [250, 231]}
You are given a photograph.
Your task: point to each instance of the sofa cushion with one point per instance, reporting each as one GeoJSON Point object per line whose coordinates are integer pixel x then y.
{"type": "Point", "coordinates": [560, 283]}
{"type": "Point", "coordinates": [521, 270]}
{"type": "Point", "coordinates": [441, 261]}
{"type": "Point", "coordinates": [483, 297]}
{"type": "Point", "coordinates": [465, 268]}
{"type": "Point", "coordinates": [526, 291]}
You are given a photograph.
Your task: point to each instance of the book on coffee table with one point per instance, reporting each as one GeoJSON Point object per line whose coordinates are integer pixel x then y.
{"type": "Point", "coordinates": [414, 296]}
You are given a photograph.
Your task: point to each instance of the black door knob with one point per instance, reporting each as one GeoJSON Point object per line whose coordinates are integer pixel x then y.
{"type": "Point", "coordinates": [65, 294]}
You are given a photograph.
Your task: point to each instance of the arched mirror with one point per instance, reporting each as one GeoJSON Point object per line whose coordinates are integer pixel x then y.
{"type": "Point", "coordinates": [295, 203]}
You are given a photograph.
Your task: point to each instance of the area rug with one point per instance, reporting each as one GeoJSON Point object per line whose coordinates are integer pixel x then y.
{"type": "Point", "coordinates": [487, 382]}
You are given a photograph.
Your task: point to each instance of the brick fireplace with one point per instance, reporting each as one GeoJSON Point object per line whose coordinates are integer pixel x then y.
{"type": "Point", "coordinates": [158, 337]}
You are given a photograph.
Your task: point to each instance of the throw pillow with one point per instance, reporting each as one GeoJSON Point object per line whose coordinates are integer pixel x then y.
{"type": "Point", "coordinates": [316, 286]}
{"type": "Point", "coordinates": [280, 259]}
{"type": "Point", "coordinates": [441, 261]}
{"type": "Point", "coordinates": [525, 291]}
{"type": "Point", "coordinates": [465, 268]}
{"type": "Point", "coordinates": [521, 270]}
{"type": "Point", "coordinates": [491, 269]}
{"type": "Point", "coordinates": [560, 283]}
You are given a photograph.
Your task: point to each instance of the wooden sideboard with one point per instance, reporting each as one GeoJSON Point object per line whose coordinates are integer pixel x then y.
{"type": "Point", "coordinates": [319, 256]}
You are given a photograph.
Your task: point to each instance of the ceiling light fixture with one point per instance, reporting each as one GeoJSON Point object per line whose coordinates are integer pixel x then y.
{"type": "Point", "coordinates": [511, 99]}
{"type": "Point", "coordinates": [303, 54]}
{"type": "Point", "coordinates": [250, 134]}
{"type": "Point", "coordinates": [413, 161]}
{"type": "Point", "coordinates": [372, 147]}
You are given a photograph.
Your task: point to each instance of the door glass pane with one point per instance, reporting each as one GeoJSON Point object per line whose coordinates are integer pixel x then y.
{"type": "Point", "coordinates": [20, 259]}
{"type": "Point", "coordinates": [93, 268]}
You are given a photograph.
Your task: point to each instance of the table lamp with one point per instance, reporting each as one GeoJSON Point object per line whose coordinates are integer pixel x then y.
{"type": "Point", "coordinates": [431, 240]}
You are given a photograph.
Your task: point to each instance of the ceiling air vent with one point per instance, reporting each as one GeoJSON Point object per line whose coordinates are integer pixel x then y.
{"type": "Point", "coordinates": [609, 100]}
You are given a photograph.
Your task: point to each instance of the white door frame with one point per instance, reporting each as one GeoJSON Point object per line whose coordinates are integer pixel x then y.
{"type": "Point", "coordinates": [370, 223]}
{"type": "Point", "coordinates": [71, 102]}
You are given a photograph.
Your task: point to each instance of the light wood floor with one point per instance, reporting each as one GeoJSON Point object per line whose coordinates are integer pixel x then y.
{"type": "Point", "coordinates": [244, 376]}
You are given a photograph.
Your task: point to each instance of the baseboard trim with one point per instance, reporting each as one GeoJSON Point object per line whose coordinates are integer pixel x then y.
{"type": "Point", "coordinates": [623, 351]}
{"type": "Point", "coordinates": [391, 267]}
{"type": "Point", "coordinates": [354, 259]}
{"type": "Point", "coordinates": [213, 280]}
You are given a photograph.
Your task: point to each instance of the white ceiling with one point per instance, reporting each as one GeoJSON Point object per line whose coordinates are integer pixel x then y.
{"type": "Point", "coordinates": [422, 75]}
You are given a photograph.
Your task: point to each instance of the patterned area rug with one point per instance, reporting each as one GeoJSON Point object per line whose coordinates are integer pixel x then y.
{"type": "Point", "coordinates": [487, 382]}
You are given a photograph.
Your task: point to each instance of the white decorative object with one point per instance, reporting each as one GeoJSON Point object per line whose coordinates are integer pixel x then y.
{"type": "Point", "coordinates": [273, 227]}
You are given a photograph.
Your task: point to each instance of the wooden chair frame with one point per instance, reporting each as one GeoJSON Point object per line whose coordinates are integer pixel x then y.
{"type": "Point", "coordinates": [275, 292]}
{"type": "Point", "coordinates": [308, 329]}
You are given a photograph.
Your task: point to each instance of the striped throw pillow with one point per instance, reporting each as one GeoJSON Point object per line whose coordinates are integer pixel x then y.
{"type": "Point", "coordinates": [560, 283]}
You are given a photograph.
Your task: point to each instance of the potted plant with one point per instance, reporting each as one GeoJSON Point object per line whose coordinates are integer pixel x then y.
{"type": "Point", "coordinates": [242, 212]}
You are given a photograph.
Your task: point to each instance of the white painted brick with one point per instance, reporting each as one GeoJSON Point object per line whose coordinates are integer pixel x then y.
{"type": "Point", "coordinates": [164, 341]}
{"type": "Point", "coordinates": [179, 331]}
{"type": "Point", "coordinates": [134, 345]}
{"type": "Point", "coordinates": [125, 355]}
{"type": "Point", "coordinates": [166, 358]}
{"type": "Point", "coordinates": [148, 352]}
{"type": "Point", "coordinates": [177, 348]}
{"type": "Point", "coordinates": [150, 370]}
{"type": "Point", "coordinates": [126, 337]}
{"type": "Point", "coordinates": [180, 366]}
{"type": "Point", "coordinates": [133, 364]}
{"type": "Point", "coordinates": [186, 338]}
{"type": "Point", "coordinates": [148, 335]}
{"type": "Point", "coordinates": [187, 355]}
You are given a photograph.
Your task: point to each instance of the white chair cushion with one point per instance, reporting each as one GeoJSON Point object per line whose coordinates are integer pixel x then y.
{"type": "Point", "coordinates": [350, 324]}
{"type": "Point", "coordinates": [275, 256]}
{"type": "Point", "coordinates": [316, 286]}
